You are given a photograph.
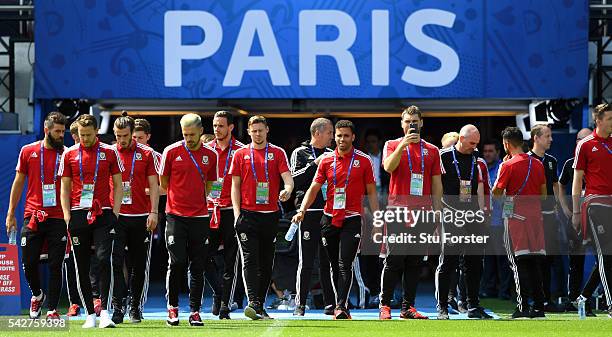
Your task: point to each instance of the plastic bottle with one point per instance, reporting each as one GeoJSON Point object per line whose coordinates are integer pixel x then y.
{"type": "Point", "coordinates": [582, 307]}
{"type": "Point", "coordinates": [291, 231]}
{"type": "Point", "coordinates": [13, 237]}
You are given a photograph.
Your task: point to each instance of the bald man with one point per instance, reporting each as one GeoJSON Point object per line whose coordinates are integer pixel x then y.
{"type": "Point", "coordinates": [576, 249]}
{"type": "Point", "coordinates": [463, 188]}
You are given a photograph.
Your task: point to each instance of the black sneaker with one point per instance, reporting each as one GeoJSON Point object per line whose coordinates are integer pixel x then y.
{"type": "Point", "coordinates": [117, 316]}
{"type": "Point", "coordinates": [521, 314]}
{"type": "Point", "coordinates": [478, 313]}
{"type": "Point", "coordinates": [135, 316]}
{"type": "Point", "coordinates": [453, 306]}
{"type": "Point", "coordinates": [553, 307]}
{"type": "Point", "coordinates": [536, 314]}
{"type": "Point", "coordinates": [462, 307]}
{"type": "Point", "coordinates": [570, 307]}
{"type": "Point", "coordinates": [224, 312]}
{"type": "Point", "coordinates": [195, 319]}
{"type": "Point", "coordinates": [216, 305]}
{"type": "Point", "coordinates": [264, 314]}
{"type": "Point", "coordinates": [341, 313]}
{"type": "Point", "coordinates": [300, 310]}
{"type": "Point", "coordinates": [443, 314]}
{"type": "Point", "coordinates": [329, 310]}
{"type": "Point", "coordinates": [588, 309]}
{"type": "Point", "coordinates": [253, 311]}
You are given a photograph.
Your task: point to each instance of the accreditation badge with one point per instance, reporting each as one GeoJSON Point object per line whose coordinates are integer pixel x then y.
{"type": "Point", "coordinates": [87, 196]}
{"type": "Point", "coordinates": [416, 184]}
{"type": "Point", "coordinates": [465, 190]}
{"type": "Point", "coordinates": [127, 193]}
{"type": "Point", "coordinates": [262, 194]}
{"type": "Point", "coordinates": [340, 198]}
{"type": "Point", "coordinates": [49, 195]}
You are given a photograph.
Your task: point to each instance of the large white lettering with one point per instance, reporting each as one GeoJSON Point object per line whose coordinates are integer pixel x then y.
{"type": "Point", "coordinates": [175, 52]}
{"type": "Point", "coordinates": [256, 22]}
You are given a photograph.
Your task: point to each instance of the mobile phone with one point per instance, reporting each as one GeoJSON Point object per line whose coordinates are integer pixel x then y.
{"type": "Point", "coordinates": [414, 127]}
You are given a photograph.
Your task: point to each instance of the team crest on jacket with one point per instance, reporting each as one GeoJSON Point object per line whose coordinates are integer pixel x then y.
{"type": "Point", "coordinates": [425, 152]}
{"type": "Point", "coordinates": [243, 237]}
{"type": "Point", "coordinates": [306, 235]}
{"type": "Point", "coordinates": [356, 163]}
{"type": "Point", "coordinates": [205, 160]}
{"type": "Point", "coordinates": [75, 240]}
{"type": "Point", "coordinates": [550, 165]}
{"type": "Point", "coordinates": [102, 156]}
{"type": "Point", "coordinates": [170, 239]}
{"type": "Point", "coordinates": [138, 156]}
{"type": "Point", "coordinates": [24, 241]}
{"type": "Point", "coordinates": [270, 156]}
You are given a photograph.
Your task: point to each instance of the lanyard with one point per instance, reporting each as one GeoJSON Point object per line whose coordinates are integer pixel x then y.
{"type": "Point", "coordinates": [42, 164]}
{"type": "Point", "coordinates": [457, 166]}
{"type": "Point", "coordinates": [229, 153]}
{"type": "Point", "coordinates": [265, 163]}
{"type": "Point", "coordinates": [349, 170]}
{"type": "Point", "coordinates": [314, 154]}
{"type": "Point", "coordinates": [422, 158]}
{"type": "Point", "coordinates": [81, 164]}
{"type": "Point", "coordinates": [606, 146]}
{"type": "Point", "coordinates": [526, 178]}
{"type": "Point", "coordinates": [194, 162]}
{"type": "Point", "coordinates": [532, 154]}
{"type": "Point", "coordinates": [133, 164]}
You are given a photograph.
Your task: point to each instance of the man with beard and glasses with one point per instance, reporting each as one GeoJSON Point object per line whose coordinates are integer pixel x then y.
{"type": "Point", "coordinates": [43, 219]}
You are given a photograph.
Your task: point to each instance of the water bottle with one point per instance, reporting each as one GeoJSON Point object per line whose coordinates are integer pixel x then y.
{"type": "Point", "coordinates": [581, 307]}
{"type": "Point", "coordinates": [13, 237]}
{"type": "Point", "coordinates": [291, 231]}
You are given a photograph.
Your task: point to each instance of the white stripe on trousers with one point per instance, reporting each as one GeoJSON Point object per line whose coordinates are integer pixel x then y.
{"type": "Point", "coordinates": [362, 287]}
{"type": "Point", "coordinates": [145, 285]}
{"type": "Point", "coordinates": [513, 265]}
{"type": "Point", "coordinates": [78, 281]}
{"type": "Point", "coordinates": [109, 300]}
{"type": "Point", "coordinates": [298, 277]}
{"type": "Point", "coordinates": [234, 280]}
{"type": "Point", "coordinates": [439, 267]}
{"type": "Point", "coordinates": [600, 258]}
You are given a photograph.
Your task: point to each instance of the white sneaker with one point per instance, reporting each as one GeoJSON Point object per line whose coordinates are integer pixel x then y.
{"type": "Point", "coordinates": [105, 320]}
{"type": "Point", "coordinates": [36, 303]}
{"type": "Point", "coordinates": [90, 322]}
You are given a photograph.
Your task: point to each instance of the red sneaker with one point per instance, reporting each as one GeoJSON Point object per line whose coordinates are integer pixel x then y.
{"type": "Point", "coordinates": [97, 306]}
{"type": "Point", "coordinates": [74, 310]}
{"type": "Point", "coordinates": [385, 312]}
{"type": "Point", "coordinates": [195, 319]}
{"type": "Point", "coordinates": [412, 313]}
{"type": "Point", "coordinates": [52, 315]}
{"type": "Point", "coordinates": [173, 317]}
{"type": "Point", "coordinates": [36, 305]}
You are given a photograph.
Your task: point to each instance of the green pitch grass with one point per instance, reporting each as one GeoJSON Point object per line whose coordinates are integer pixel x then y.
{"type": "Point", "coordinates": [557, 325]}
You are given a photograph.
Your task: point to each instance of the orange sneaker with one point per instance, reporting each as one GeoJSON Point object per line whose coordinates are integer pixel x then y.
{"type": "Point", "coordinates": [97, 306]}
{"type": "Point", "coordinates": [412, 313]}
{"type": "Point", "coordinates": [385, 312]}
{"type": "Point", "coordinates": [74, 310]}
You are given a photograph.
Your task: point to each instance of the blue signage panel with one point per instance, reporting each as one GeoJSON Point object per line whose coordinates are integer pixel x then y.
{"type": "Point", "coordinates": [311, 49]}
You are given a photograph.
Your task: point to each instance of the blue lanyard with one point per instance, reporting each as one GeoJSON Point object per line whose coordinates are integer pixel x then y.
{"type": "Point", "coordinates": [42, 164]}
{"type": "Point", "coordinates": [81, 164]}
{"type": "Point", "coordinates": [133, 164]}
{"type": "Point", "coordinates": [526, 178]}
{"type": "Point", "coordinates": [265, 163]}
{"type": "Point", "coordinates": [349, 170]}
{"type": "Point", "coordinates": [194, 162]}
{"type": "Point", "coordinates": [606, 146]}
{"type": "Point", "coordinates": [457, 166]}
{"type": "Point", "coordinates": [422, 158]}
{"type": "Point", "coordinates": [314, 154]}
{"type": "Point", "coordinates": [227, 159]}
